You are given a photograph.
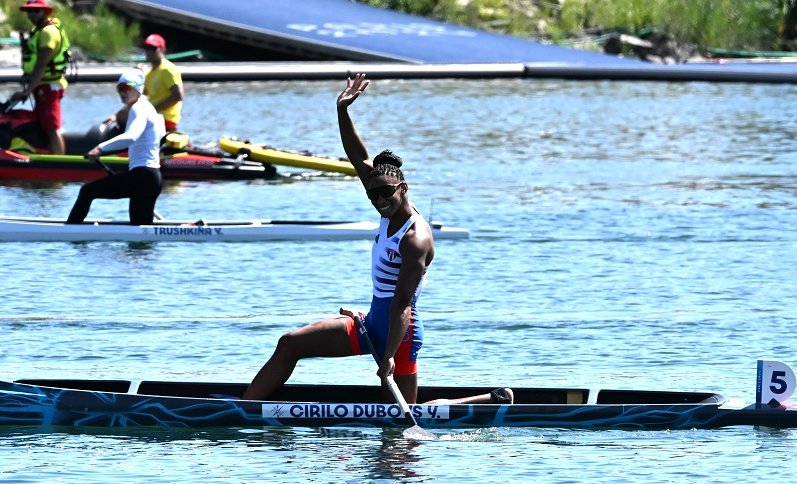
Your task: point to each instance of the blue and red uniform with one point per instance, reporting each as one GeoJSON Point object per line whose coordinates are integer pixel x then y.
{"type": "Point", "coordinates": [386, 264]}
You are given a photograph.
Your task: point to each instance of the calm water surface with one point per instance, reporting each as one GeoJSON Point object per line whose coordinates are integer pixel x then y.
{"type": "Point", "coordinates": [626, 235]}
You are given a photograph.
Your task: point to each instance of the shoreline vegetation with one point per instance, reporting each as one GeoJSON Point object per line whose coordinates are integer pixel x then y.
{"type": "Point", "coordinates": [663, 31]}
{"type": "Point", "coordinates": [95, 33]}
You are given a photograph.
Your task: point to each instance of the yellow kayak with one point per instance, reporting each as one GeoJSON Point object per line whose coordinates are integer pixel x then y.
{"type": "Point", "coordinates": [286, 158]}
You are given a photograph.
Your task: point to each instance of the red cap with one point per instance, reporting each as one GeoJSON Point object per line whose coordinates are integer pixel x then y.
{"type": "Point", "coordinates": [155, 40]}
{"type": "Point", "coordinates": [36, 4]}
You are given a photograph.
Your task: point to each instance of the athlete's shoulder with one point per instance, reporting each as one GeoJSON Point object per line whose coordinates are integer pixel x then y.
{"type": "Point", "coordinates": [420, 227]}
{"type": "Point", "coordinates": [418, 238]}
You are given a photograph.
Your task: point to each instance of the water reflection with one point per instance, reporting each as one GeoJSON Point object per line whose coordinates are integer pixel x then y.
{"type": "Point", "coordinates": [22, 198]}
{"type": "Point", "coordinates": [138, 251]}
{"type": "Point", "coordinates": [114, 252]}
{"type": "Point", "coordinates": [366, 453]}
{"type": "Point", "coordinates": [33, 186]}
{"type": "Point", "coordinates": [395, 457]}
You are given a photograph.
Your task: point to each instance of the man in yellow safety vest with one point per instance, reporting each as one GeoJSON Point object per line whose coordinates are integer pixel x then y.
{"type": "Point", "coordinates": [45, 55]}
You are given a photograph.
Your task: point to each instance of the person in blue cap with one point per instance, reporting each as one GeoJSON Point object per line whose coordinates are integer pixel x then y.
{"type": "Point", "coordinates": [141, 138]}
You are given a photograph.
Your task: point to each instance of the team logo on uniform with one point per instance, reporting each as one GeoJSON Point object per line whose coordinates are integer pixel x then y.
{"type": "Point", "coordinates": [392, 254]}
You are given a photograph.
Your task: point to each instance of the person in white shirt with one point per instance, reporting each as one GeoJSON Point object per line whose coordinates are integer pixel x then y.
{"type": "Point", "coordinates": [142, 136]}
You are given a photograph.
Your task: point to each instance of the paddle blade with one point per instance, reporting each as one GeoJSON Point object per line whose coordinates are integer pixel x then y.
{"type": "Point", "coordinates": [418, 433]}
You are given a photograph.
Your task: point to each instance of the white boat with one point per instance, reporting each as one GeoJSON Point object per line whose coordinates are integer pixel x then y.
{"type": "Point", "coordinates": [24, 229]}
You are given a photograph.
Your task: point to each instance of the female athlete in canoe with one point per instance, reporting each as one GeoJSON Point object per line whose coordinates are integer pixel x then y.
{"type": "Point", "coordinates": [401, 255]}
{"type": "Point", "coordinates": [142, 182]}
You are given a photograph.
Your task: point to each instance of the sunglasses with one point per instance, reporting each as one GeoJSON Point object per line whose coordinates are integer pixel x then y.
{"type": "Point", "coordinates": [120, 88]}
{"type": "Point", "coordinates": [384, 191]}
{"type": "Point", "coordinates": [150, 47]}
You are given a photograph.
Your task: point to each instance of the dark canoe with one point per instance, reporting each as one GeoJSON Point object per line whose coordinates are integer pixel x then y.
{"type": "Point", "coordinates": [118, 403]}
{"type": "Point", "coordinates": [22, 144]}
{"type": "Point", "coordinates": [174, 166]}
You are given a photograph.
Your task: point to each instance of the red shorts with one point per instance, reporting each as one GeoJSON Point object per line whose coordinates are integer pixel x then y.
{"type": "Point", "coordinates": [406, 356]}
{"type": "Point", "coordinates": [170, 125]}
{"type": "Point", "coordinates": [47, 106]}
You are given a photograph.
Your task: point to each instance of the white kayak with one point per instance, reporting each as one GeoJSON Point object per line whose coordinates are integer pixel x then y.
{"type": "Point", "coordinates": [23, 229]}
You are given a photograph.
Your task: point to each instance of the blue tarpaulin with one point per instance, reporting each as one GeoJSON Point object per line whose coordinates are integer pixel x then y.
{"type": "Point", "coordinates": [360, 32]}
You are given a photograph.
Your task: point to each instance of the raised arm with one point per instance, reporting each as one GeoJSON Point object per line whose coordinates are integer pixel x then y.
{"type": "Point", "coordinates": [352, 143]}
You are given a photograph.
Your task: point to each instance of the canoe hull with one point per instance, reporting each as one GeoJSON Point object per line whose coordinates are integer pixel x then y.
{"type": "Point", "coordinates": [18, 229]}
{"type": "Point", "coordinates": [66, 168]}
{"type": "Point", "coordinates": [283, 158]}
{"type": "Point", "coordinates": [127, 404]}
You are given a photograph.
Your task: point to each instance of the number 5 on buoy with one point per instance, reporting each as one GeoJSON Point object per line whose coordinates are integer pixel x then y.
{"type": "Point", "coordinates": [775, 381]}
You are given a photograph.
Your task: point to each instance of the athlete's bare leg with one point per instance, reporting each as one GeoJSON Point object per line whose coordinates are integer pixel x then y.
{"type": "Point", "coordinates": [500, 395]}
{"type": "Point", "coordinates": [327, 337]}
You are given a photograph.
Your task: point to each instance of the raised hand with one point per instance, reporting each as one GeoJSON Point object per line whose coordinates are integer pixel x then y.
{"type": "Point", "coordinates": [353, 89]}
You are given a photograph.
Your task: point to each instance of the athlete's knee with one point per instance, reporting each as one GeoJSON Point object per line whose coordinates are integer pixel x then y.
{"type": "Point", "coordinates": [288, 347]}
{"type": "Point", "coordinates": [408, 384]}
{"type": "Point", "coordinates": [86, 192]}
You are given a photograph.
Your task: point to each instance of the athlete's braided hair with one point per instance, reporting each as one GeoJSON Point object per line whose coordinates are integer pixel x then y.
{"type": "Point", "coordinates": [388, 163]}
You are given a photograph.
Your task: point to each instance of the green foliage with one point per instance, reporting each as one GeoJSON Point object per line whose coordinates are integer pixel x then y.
{"type": "Point", "coordinates": [16, 20]}
{"type": "Point", "coordinates": [419, 7]}
{"type": "Point", "coordinates": [725, 23]}
{"type": "Point", "coordinates": [98, 34]}
{"type": "Point", "coordinates": [730, 24]}
{"type": "Point", "coordinates": [629, 15]}
{"type": "Point", "coordinates": [507, 16]}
